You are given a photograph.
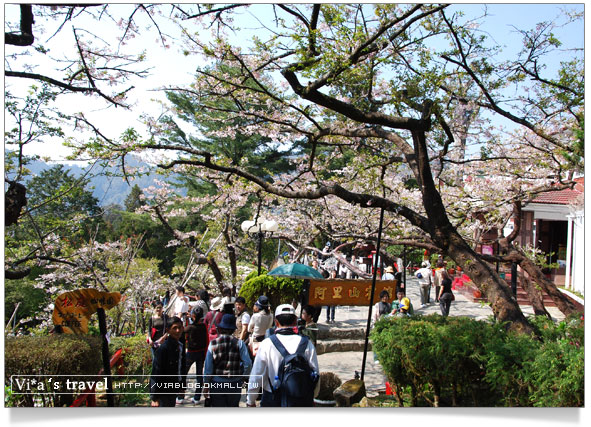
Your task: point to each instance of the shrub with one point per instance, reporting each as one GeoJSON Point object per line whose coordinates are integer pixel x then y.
{"type": "Point", "coordinates": [69, 355]}
{"type": "Point", "coordinates": [279, 290]}
{"type": "Point", "coordinates": [137, 356]}
{"type": "Point", "coordinates": [461, 361]}
{"type": "Point", "coordinates": [329, 382]}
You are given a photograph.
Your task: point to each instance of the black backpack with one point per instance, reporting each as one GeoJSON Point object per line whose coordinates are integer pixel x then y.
{"type": "Point", "coordinates": [296, 380]}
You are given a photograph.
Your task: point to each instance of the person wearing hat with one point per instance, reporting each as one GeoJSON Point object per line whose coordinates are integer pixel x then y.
{"type": "Point", "coordinates": [260, 321]}
{"type": "Point", "coordinates": [214, 316]}
{"type": "Point", "coordinates": [388, 273]}
{"type": "Point", "coordinates": [227, 365]}
{"type": "Point", "coordinates": [196, 344]}
{"type": "Point", "coordinates": [404, 308]}
{"type": "Point", "coordinates": [269, 358]}
{"type": "Point", "coordinates": [424, 274]}
{"type": "Point", "coordinates": [396, 305]}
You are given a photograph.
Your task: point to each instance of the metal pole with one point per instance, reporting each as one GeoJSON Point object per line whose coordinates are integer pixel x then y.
{"type": "Point", "coordinates": [106, 357]}
{"type": "Point", "coordinates": [373, 289]}
{"type": "Point", "coordinates": [259, 247]}
{"type": "Point", "coordinates": [404, 267]}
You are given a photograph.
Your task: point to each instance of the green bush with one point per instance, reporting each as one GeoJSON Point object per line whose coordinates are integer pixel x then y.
{"type": "Point", "coordinates": [137, 357]}
{"type": "Point", "coordinates": [69, 355]}
{"type": "Point", "coordinates": [455, 361]}
{"type": "Point", "coordinates": [279, 290]}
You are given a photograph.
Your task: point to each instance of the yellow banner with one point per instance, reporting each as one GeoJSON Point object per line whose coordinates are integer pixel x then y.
{"type": "Point", "coordinates": [73, 309]}
{"type": "Point", "coordinates": [348, 292]}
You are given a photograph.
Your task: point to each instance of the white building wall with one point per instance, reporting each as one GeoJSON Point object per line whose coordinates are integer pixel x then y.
{"type": "Point", "coordinates": [578, 265]}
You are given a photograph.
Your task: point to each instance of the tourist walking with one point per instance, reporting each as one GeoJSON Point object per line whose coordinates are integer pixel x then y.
{"type": "Point", "coordinates": [439, 269]}
{"type": "Point", "coordinates": [181, 305]}
{"type": "Point", "coordinates": [310, 328]}
{"type": "Point", "coordinates": [196, 344]}
{"type": "Point", "coordinates": [388, 273]}
{"type": "Point", "coordinates": [331, 309]}
{"type": "Point", "coordinates": [203, 301]}
{"type": "Point", "coordinates": [317, 308]}
{"type": "Point", "coordinates": [270, 367]}
{"type": "Point", "coordinates": [156, 327]}
{"type": "Point", "coordinates": [167, 379]}
{"type": "Point", "coordinates": [260, 321]}
{"type": "Point", "coordinates": [423, 274]}
{"type": "Point", "coordinates": [213, 317]}
{"type": "Point", "coordinates": [242, 319]}
{"type": "Point", "coordinates": [227, 365]}
{"type": "Point", "coordinates": [446, 295]}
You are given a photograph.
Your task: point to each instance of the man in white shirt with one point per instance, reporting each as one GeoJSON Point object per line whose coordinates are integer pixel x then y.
{"type": "Point", "coordinates": [268, 359]}
{"type": "Point", "coordinates": [424, 275]}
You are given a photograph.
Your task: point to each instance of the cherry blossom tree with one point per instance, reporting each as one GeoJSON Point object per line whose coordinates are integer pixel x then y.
{"type": "Point", "coordinates": [369, 84]}
{"type": "Point", "coordinates": [401, 108]}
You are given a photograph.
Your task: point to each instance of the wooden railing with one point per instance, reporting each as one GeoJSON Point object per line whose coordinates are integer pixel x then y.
{"type": "Point", "coordinates": [88, 396]}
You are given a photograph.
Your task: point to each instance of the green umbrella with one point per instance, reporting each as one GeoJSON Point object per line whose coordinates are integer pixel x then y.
{"type": "Point", "coordinates": [296, 271]}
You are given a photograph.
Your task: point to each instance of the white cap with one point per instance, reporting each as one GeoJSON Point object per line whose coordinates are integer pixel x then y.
{"type": "Point", "coordinates": [285, 309]}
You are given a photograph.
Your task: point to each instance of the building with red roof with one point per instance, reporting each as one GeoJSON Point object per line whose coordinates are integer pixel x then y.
{"type": "Point", "coordinates": [554, 223]}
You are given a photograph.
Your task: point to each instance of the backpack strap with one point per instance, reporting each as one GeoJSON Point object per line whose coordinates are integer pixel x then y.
{"type": "Point", "coordinates": [303, 345]}
{"type": "Point", "coordinates": [281, 348]}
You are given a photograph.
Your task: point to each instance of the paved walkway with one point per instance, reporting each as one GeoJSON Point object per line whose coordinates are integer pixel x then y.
{"type": "Point", "coordinates": [345, 364]}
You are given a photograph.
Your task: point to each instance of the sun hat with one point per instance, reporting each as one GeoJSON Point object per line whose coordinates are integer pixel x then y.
{"type": "Point", "coordinates": [404, 304]}
{"type": "Point", "coordinates": [285, 309]}
{"type": "Point", "coordinates": [217, 303]}
{"type": "Point", "coordinates": [262, 302]}
{"type": "Point", "coordinates": [228, 322]}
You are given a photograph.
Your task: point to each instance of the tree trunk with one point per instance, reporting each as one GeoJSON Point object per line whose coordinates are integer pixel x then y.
{"type": "Point", "coordinates": [445, 235]}
{"type": "Point", "coordinates": [534, 296]}
{"type": "Point", "coordinates": [503, 303]}
{"type": "Point", "coordinates": [436, 394]}
{"type": "Point", "coordinates": [562, 302]}
{"type": "Point", "coordinates": [399, 395]}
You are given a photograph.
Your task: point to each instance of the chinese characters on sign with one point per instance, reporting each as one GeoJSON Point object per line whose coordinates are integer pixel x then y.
{"type": "Point", "coordinates": [347, 292]}
{"type": "Point", "coordinates": [73, 309]}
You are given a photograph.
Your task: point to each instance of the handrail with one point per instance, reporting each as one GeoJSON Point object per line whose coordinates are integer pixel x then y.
{"type": "Point", "coordinates": [88, 396]}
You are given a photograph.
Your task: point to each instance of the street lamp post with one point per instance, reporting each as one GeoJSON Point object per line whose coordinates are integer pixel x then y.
{"type": "Point", "coordinates": [260, 227]}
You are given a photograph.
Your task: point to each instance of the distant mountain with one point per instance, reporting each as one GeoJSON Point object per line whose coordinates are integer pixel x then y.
{"type": "Point", "coordinates": [107, 184]}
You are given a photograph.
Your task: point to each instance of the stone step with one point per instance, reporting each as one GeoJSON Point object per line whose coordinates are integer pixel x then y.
{"type": "Point", "coordinates": [341, 345]}
{"type": "Point", "coordinates": [326, 332]}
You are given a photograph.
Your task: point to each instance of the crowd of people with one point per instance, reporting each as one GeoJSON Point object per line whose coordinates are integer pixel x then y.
{"type": "Point", "coordinates": [231, 350]}
{"type": "Point", "coordinates": [234, 348]}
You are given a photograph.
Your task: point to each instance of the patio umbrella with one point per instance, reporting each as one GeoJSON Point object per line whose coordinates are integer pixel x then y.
{"type": "Point", "coordinates": [296, 271]}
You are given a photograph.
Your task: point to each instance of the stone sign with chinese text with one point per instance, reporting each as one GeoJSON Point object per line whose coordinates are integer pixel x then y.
{"type": "Point", "coordinates": [73, 309]}
{"type": "Point", "coordinates": [348, 292]}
